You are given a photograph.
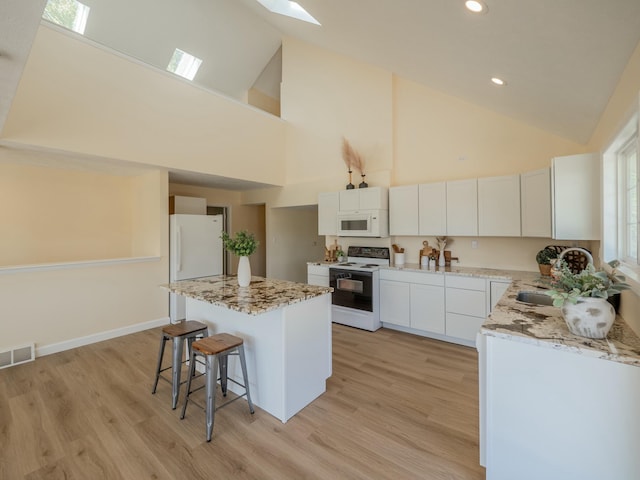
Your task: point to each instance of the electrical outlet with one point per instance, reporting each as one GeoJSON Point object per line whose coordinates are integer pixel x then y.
{"type": "Point", "coordinates": [474, 244]}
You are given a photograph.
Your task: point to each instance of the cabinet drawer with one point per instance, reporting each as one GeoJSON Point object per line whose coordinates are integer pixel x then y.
{"type": "Point", "coordinates": [412, 277]}
{"type": "Point", "coordinates": [463, 326]}
{"type": "Point", "coordinates": [466, 302]}
{"type": "Point", "coordinates": [318, 270]}
{"type": "Point", "coordinates": [320, 280]}
{"type": "Point", "coordinates": [468, 283]}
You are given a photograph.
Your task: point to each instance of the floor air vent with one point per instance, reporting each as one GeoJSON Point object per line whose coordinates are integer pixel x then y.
{"type": "Point", "coordinates": [16, 355]}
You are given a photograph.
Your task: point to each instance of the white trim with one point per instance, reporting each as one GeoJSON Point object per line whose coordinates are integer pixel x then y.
{"type": "Point", "coordinates": [70, 265]}
{"type": "Point", "coordinates": [99, 337]}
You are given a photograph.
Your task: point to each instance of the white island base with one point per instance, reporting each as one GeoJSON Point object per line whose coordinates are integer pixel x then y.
{"type": "Point", "coordinates": [288, 351]}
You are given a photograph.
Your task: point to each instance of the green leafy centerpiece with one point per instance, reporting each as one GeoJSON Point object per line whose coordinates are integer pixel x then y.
{"type": "Point", "coordinates": [583, 298]}
{"type": "Point", "coordinates": [242, 245]}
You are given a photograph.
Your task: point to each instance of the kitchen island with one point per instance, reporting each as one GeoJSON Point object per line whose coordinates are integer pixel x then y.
{"type": "Point", "coordinates": [554, 405]}
{"type": "Point", "coordinates": [286, 328]}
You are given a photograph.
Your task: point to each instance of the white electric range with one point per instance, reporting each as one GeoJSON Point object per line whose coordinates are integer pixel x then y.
{"type": "Point", "coordinates": [356, 287]}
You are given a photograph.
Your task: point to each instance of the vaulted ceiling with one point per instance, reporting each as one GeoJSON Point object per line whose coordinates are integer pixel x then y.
{"type": "Point", "coordinates": [561, 59]}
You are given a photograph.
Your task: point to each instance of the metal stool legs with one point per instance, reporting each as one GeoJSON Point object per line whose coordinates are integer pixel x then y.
{"type": "Point", "coordinates": [178, 334]}
{"type": "Point", "coordinates": [212, 365]}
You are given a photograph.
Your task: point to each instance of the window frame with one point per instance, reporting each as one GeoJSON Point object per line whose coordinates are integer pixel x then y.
{"type": "Point", "coordinates": [614, 211]}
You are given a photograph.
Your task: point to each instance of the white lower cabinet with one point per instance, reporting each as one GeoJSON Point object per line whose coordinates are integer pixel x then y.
{"type": "Point", "coordinates": [413, 300]}
{"type": "Point", "coordinates": [318, 275]}
{"type": "Point", "coordinates": [448, 307]}
{"type": "Point", "coordinates": [427, 308]}
{"type": "Point", "coordinates": [466, 301]}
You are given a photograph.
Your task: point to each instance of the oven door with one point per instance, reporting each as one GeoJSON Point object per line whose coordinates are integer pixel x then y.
{"type": "Point", "coordinates": [352, 289]}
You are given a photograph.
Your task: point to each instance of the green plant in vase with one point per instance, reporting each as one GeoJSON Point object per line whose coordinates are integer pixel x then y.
{"type": "Point", "coordinates": [242, 245]}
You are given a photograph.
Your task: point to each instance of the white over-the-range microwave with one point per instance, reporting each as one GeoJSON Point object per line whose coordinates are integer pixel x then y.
{"type": "Point", "coordinates": [363, 223]}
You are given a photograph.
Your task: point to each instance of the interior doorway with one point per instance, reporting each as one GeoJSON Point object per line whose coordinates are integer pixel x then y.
{"type": "Point", "coordinates": [225, 226]}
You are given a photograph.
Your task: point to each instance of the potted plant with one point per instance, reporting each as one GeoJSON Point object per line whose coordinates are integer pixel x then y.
{"type": "Point", "coordinates": [583, 298]}
{"type": "Point", "coordinates": [545, 259]}
{"type": "Point", "coordinates": [340, 255]}
{"type": "Point", "coordinates": [242, 245]}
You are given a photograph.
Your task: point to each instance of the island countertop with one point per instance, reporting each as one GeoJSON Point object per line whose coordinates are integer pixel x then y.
{"type": "Point", "coordinates": [261, 296]}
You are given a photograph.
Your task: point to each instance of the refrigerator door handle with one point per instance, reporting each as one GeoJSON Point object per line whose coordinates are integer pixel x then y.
{"type": "Point", "coordinates": [179, 249]}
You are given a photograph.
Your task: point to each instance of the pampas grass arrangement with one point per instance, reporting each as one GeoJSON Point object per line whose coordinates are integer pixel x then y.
{"type": "Point", "coordinates": [353, 160]}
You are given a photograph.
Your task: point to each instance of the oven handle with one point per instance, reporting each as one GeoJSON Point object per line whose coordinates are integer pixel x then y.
{"type": "Point", "coordinates": [350, 285]}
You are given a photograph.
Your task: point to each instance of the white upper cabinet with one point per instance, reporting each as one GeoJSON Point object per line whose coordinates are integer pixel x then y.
{"type": "Point", "coordinates": [432, 199]}
{"type": "Point", "coordinates": [372, 198]}
{"type": "Point", "coordinates": [535, 203]}
{"type": "Point", "coordinates": [327, 211]}
{"type": "Point", "coordinates": [403, 210]}
{"type": "Point", "coordinates": [576, 197]}
{"type": "Point", "coordinates": [499, 206]}
{"type": "Point", "coordinates": [462, 207]}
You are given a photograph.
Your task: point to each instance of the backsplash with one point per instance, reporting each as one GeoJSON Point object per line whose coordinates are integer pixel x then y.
{"type": "Point", "coordinates": [491, 252]}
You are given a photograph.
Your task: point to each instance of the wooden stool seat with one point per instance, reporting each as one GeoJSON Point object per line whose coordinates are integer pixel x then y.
{"type": "Point", "coordinates": [216, 344]}
{"type": "Point", "coordinates": [183, 328]}
{"type": "Point", "coordinates": [216, 349]}
{"type": "Point", "coordinates": [189, 331]}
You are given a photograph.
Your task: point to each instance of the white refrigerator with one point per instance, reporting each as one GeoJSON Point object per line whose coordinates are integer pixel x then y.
{"type": "Point", "coordinates": [195, 250]}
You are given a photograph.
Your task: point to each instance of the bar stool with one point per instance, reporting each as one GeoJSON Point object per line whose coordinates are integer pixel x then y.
{"type": "Point", "coordinates": [188, 330]}
{"type": "Point", "coordinates": [221, 345]}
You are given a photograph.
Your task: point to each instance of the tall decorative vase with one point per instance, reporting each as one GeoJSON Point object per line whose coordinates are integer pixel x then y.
{"type": "Point", "coordinates": [441, 261]}
{"type": "Point", "coordinates": [591, 317]}
{"type": "Point", "coordinates": [244, 271]}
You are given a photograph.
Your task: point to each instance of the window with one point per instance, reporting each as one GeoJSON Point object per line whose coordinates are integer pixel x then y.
{"type": "Point", "coordinates": [184, 64]}
{"type": "Point", "coordinates": [628, 201]}
{"type": "Point", "coordinates": [621, 164]}
{"type": "Point", "coordinates": [67, 13]}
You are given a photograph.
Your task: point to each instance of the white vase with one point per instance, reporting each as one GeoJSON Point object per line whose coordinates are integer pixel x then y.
{"type": "Point", "coordinates": [591, 317]}
{"type": "Point", "coordinates": [441, 261]}
{"type": "Point", "coordinates": [244, 271]}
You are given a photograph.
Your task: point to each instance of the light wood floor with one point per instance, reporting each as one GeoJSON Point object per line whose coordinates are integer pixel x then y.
{"type": "Point", "coordinates": [397, 407]}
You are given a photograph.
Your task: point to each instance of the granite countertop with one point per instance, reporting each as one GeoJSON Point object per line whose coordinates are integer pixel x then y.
{"type": "Point", "coordinates": [537, 324]}
{"type": "Point", "coordinates": [544, 326]}
{"type": "Point", "coordinates": [261, 296]}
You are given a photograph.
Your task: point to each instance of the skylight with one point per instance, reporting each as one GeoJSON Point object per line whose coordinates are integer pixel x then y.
{"type": "Point", "coordinates": [184, 64]}
{"type": "Point", "coordinates": [67, 13]}
{"type": "Point", "coordinates": [288, 8]}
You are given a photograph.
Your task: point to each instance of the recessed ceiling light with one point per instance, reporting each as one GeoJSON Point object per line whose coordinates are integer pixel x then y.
{"type": "Point", "coordinates": [476, 6]}
{"type": "Point", "coordinates": [498, 81]}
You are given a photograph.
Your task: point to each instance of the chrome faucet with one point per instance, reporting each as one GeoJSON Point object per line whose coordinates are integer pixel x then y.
{"type": "Point", "coordinates": [586, 252]}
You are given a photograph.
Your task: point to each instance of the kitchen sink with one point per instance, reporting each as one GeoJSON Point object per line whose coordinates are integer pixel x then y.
{"type": "Point", "coordinates": [534, 298]}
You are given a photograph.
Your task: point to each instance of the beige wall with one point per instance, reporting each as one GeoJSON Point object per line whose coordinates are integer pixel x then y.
{"type": "Point", "coordinates": [293, 241]}
{"type": "Point", "coordinates": [325, 97]}
{"type": "Point", "coordinates": [60, 305]}
{"type": "Point", "coordinates": [62, 215]}
{"type": "Point", "coordinates": [440, 137]}
{"type": "Point", "coordinates": [117, 108]}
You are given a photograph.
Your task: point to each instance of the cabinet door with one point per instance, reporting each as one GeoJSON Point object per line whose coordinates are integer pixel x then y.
{"type": "Point", "coordinates": [349, 200]}
{"type": "Point", "coordinates": [432, 201]}
{"type": "Point", "coordinates": [427, 308]}
{"type": "Point", "coordinates": [395, 303]}
{"type": "Point", "coordinates": [403, 210]}
{"type": "Point", "coordinates": [462, 207]}
{"type": "Point", "coordinates": [327, 213]}
{"type": "Point", "coordinates": [374, 198]}
{"type": "Point", "coordinates": [535, 203]}
{"type": "Point", "coordinates": [499, 206]}
{"type": "Point", "coordinates": [576, 197]}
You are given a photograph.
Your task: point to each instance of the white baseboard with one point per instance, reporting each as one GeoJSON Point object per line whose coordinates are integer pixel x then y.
{"type": "Point", "coordinates": [99, 337]}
